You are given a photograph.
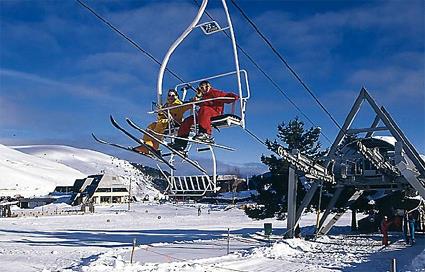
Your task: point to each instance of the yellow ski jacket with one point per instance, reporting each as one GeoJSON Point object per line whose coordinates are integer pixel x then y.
{"type": "Point", "coordinates": [176, 113]}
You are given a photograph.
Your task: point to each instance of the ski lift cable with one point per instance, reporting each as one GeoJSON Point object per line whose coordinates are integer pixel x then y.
{"type": "Point", "coordinates": [269, 78]}
{"type": "Point", "coordinates": [255, 137]}
{"type": "Point", "coordinates": [158, 62]}
{"type": "Point", "coordinates": [294, 73]}
{"type": "Point", "coordinates": [127, 38]}
{"type": "Point", "coordinates": [145, 52]}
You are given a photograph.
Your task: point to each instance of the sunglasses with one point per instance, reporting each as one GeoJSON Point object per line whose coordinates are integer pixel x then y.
{"type": "Point", "coordinates": [171, 95]}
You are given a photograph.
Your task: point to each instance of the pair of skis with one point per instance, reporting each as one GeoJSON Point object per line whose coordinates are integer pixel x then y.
{"type": "Point", "coordinates": [152, 152]}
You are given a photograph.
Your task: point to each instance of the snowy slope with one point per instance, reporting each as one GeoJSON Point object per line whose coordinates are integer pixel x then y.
{"type": "Point", "coordinates": [174, 238]}
{"type": "Point", "coordinates": [28, 175]}
{"type": "Point", "coordinates": [92, 162]}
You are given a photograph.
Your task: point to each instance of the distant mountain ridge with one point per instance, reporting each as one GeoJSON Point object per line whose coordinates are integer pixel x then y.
{"type": "Point", "coordinates": [37, 169]}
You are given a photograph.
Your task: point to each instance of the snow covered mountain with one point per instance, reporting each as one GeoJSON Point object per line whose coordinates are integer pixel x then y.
{"type": "Point", "coordinates": [28, 175]}
{"type": "Point", "coordinates": [38, 169]}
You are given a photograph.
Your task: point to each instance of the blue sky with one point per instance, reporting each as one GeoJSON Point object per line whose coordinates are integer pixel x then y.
{"type": "Point", "coordinates": [62, 72]}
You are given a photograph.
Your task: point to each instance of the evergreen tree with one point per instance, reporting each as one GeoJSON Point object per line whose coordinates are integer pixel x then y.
{"type": "Point", "coordinates": [273, 188]}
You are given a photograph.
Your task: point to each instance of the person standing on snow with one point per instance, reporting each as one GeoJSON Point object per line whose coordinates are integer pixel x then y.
{"type": "Point", "coordinates": [207, 110]}
{"type": "Point", "coordinates": [411, 222]}
{"type": "Point", "coordinates": [406, 227]}
{"type": "Point", "coordinates": [163, 120]}
{"type": "Point", "coordinates": [385, 224]}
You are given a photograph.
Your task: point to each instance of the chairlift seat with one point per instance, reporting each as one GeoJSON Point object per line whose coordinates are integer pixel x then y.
{"type": "Point", "coordinates": [226, 120]}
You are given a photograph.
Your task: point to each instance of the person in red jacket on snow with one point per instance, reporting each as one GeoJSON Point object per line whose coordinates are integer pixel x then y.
{"type": "Point", "coordinates": [385, 224]}
{"type": "Point", "coordinates": [207, 110]}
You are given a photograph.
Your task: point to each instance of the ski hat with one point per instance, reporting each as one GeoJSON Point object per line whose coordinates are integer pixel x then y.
{"type": "Point", "coordinates": [173, 91]}
{"type": "Point", "coordinates": [204, 82]}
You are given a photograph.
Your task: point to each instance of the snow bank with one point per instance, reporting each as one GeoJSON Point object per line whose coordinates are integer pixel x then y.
{"type": "Point", "coordinates": [418, 263]}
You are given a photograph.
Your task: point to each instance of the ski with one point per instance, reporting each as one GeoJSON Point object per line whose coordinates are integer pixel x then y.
{"type": "Point", "coordinates": [152, 150]}
{"type": "Point", "coordinates": [128, 148]}
{"type": "Point", "coordinates": [178, 153]}
{"type": "Point", "coordinates": [193, 141]}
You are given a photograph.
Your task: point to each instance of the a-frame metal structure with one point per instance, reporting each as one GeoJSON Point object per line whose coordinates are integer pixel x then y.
{"type": "Point", "coordinates": [403, 169]}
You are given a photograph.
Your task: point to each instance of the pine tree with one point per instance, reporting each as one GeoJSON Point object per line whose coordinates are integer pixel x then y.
{"type": "Point", "coordinates": [273, 188]}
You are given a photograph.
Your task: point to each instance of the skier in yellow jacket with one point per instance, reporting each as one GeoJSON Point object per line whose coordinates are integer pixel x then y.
{"type": "Point", "coordinates": [163, 119]}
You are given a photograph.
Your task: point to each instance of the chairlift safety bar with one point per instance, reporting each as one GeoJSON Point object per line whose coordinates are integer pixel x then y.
{"type": "Point", "coordinates": [190, 103]}
{"type": "Point", "coordinates": [241, 71]}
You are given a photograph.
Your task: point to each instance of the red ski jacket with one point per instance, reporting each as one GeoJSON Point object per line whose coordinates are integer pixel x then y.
{"type": "Point", "coordinates": [217, 105]}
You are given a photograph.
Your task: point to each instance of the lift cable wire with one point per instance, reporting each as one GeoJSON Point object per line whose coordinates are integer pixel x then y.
{"type": "Point", "coordinates": [269, 78]}
{"type": "Point", "coordinates": [286, 64]}
{"type": "Point", "coordinates": [147, 53]}
{"type": "Point", "coordinates": [127, 38]}
{"type": "Point", "coordinates": [255, 137]}
{"type": "Point", "coordinates": [150, 55]}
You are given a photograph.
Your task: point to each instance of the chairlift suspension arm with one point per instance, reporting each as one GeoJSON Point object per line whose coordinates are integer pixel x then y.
{"type": "Point", "coordinates": [235, 55]}
{"type": "Point", "coordinates": [174, 46]}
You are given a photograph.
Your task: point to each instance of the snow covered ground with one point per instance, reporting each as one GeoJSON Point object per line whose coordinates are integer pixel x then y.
{"type": "Point", "coordinates": [37, 170]}
{"type": "Point", "coordinates": [174, 238]}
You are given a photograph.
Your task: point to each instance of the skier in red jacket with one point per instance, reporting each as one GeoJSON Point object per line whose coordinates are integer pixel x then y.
{"type": "Point", "coordinates": [207, 110]}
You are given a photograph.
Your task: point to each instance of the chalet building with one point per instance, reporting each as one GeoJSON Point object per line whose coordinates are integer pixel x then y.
{"type": "Point", "coordinates": [100, 189]}
{"type": "Point", "coordinates": [231, 183]}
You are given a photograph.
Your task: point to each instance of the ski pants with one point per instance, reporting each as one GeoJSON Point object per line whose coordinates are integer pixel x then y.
{"type": "Point", "coordinates": [412, 230]}
{"type": "Point", "coordinates": [384, 231]}
{"type": "Point", "coordinates": [385, 238]}
{"type": "Point", "coordinates": [203, 119]}
{"type": "Point", "coordinates": [159, 127]}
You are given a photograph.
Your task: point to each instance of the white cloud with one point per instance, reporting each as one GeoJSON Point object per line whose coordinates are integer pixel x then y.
{"type": "Point", "coordinates": [393, 84]}
{"type": "Point", "coordinates": [51, 86]}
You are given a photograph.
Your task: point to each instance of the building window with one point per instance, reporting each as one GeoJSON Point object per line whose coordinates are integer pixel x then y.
{"type": "Point", "coordinates": [119, 190]}
{"type": "Point", "coordinates": [105, 199]}
{"type": "Point", "coordinates": [103, 190]}
{"type": "Point", "coordinates": [116, 199]}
